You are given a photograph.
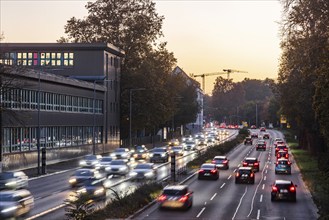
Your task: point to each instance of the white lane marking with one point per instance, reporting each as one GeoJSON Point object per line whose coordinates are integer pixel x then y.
{"type": "Point", "coordinates": [264, 178]}
{"type": "Point", "coordinates": [258, 213]}
{"type": "Point", "coordinates": [265, 171]}
{"type": "Point", "coordinates": [263, 186]}
{"type": "Point", "coordinates": [234, 171]}
{"type": "Point", "coordinates": [213, 196]}
{"type": "Point", "coordinates": [229, 177]}
{"type": "Point", "coordinates": [45, 212]}
{"type": "Point", "coordinates": [239, 165]}
{"type": "Point", "coordinates": [237, 208]}
{"type": "Point", "coordinates": [222, 185]}
{"type": "Point", "coordinates": [205, 203]}
{"type": "Point", "coordinates": [261, 198]}
{"type": "Point", "coordinates": [201, 212]}
{"type": "Point", "coordinates": [267, 166]}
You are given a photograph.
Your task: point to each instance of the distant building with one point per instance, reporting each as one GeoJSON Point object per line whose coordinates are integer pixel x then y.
{"type": "Point", "coordinates": [71, 91]}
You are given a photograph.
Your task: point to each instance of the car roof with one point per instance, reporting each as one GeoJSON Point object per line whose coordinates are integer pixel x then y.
{"type": "Point", "coordinates": [283, 159]}
{"type": "Point", "coordinates": [245, 168]}
{"type": "Point", "coordinates": [283, 182]}
{"type": "Point", "coordinates": [250, 158]}
{"type": "Point", "coordinates": [175, 187]}
{"type": "Point", "coordinates": [220, 157]}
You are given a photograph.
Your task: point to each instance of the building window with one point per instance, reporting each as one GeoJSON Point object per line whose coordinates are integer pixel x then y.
{"type": "Point", "coordinates": [68, 59]}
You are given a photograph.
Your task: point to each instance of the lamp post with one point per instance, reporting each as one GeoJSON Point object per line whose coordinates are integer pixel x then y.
{"type": "Point", "coordinates": [38, 132]}
{"type": "Point", "coordinates": [130, 111]}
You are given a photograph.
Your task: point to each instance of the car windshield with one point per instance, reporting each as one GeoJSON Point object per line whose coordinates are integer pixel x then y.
{"type": "Point", "coordinates": [83, 173]}
{"type": "Point", "coordinates": [159, 150]}
{"type": "Point", "coordinates": [90, 157]}
{"type": "Point", "coordinates": [143, 166]}
{"type": "Point", "coordinates": [4, 176]}
{"type": "Point", "coordinates": [219, 160]}
{"type": "Point", "coordinates": [92, 182]}
{"type": "Point", "coordinates": [283, 186]}
{"type": "Point", "coordinates": [250, 161]}
{"type": "Point", "coordinates": [106, 159]}
{"type": "Point", "coordinates": [174, 192]}
{"type": "Point", "coordinates": [120, 150]}
{"type": "Point", "coordinates": [192, 142]}
{"type": "Point", "coordinates": [7, 197]}
{"type": "Point", "coordinates": [117, 162]}
{"type": "Point", "coordinates": [177, 148]}
{"type": "Point", "coordinates": [244, 171]}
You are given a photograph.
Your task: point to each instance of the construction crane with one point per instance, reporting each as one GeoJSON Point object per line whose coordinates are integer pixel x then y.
{"type": "Point", "coordinates": [226, 71]}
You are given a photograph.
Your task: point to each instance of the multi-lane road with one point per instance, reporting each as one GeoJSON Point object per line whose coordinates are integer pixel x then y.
{"type": "Point", "coordinates": [221, 199]}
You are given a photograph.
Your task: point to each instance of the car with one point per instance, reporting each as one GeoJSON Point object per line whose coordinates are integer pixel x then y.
{"type": "Point", "coordinates": [83, 174]}
{"type": "Point", "coordinates": [177, 150]}
{"type": "Point", "coordinates": [261, 145]}
{"type": "Point", "coordinates": [283, 189]}
{"type": "Point", "coordinates": [248, 141]}
{"type": "Point", "coordinates": [173, 142]}
{"type": "Point", "coordinates": [159, 155]}
{"type": "Point", "coordinates": [266, 135]}
{"type": "Point", "coordinates": [226, 132]}
{"type": "Point", "coordinates": [187, 138]}
{"type": "Point", "coordinates": [190, 145]}
{"type": "Point", "coordinates": [221, 162]}
{"type": "Point", "coordinates": [105, 162]}
{"type": "Point", "coordinates": [15, 203]}
{"type": "Point", "coordinates": [13, 180]}
{"type": "Point", "coordinates": [91, 161]}
{"type": "Point", "coordinates": [93, 188]}
{"type": "Point", "coordinates": [279, 147]}
{"type": "Point", "coordinates": [121, 153]}
{"type": "Point", "coordinates": [282, 165]}
{"type": "Point", "coordinates": [176, 197]}
{"type": "Point", "coordinates": [144, 171]}
{"type": "Point", "coordinates": [254, 135]}
{"type": "Point", "coordinates": [251, 162]}
{"type": "Point", "coordinates": [282, 154]}
{"type": "Point", "coordinates": [141, 153]}
{"type": "Point", "coordinates": [208, 171]}
{"type": "Point", "coordinates": [278, 141]}
{"type": "Point", "coordinates": [211, 141]}
{"type": "Point", "coordinates": [262, 129]}
{"type": "Point", "coordinates": [253, 127]}
{"type": "Point", "coordinates": [117, 167]}
{"type": "Point", "coordinates": [245, 175]}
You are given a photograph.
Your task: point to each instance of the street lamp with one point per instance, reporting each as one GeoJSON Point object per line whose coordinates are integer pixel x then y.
{"type": "Point", "coordinates": [130, 111]}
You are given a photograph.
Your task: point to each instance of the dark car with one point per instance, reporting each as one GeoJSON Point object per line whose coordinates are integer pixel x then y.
{"type": "Point", "coordinates": [283, 165]}
{"type": "Point", "coordinates": [176, 197]}
{"type": "Point", "coordinates": [208, 171]}
{"type": "Point", "coordinates": [140, 152]}
{"type": "Point", "coordinates": [159, 155]}
{"type": "Point", "coordinates": [15, 203]}
{"type": "Point", "coordinates": [245, 175]}
{"type": "Point", "coordinates": [82, 175]}
{"type": "Point", "coordinates": [283, 190]}
{"type": "Point", "coordinates": [221, 162]}
{"type": "Point", "coordinates": [280, 147]}
{"type": "Point", "coordinates": [254, 135]}
{"type": "Point", "coordinates": [13, 180]}
{"type": "Point", "coordinates": [94, 188]}
{"type": "Point", "coordinates": [266, 136]}
{"type": "Point", "coordinates": [262, 129]}
{"type": "Point", "coordinates": [248, 141]}
{"type": "Point", "coordinates": [251, 162]}
{"type": "Point", "coordinates": [261, 145]}
{"type": "Point", "coordinates": [282, 154]}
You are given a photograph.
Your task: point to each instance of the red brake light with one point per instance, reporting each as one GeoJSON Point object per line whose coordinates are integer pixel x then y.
{"type": "Point", "coordinates": [276, 149]}
{"type": "Point", "coordinates": [251, 175]}
{"type": "Point", "coordinates": [285, 149]}
{"type": "Point", "coordinates": [214, 161]}
{"type": "Point", "coordinates": [274, 188]}
{"type": "Point", "coordinates": [162, 198]}
{"type": "Point", "coordinates": [292, 189]}
{"type": "Point", "coordinates": [256, 164]}
{"type": "Point", "coordinates": [225, 161]}
{"type": "Point", "coordinates": [213, 171]}
{"type": "Point", "coordinates": [277, 163]}
{"type": "Point", "coordinates": [201, 171]}
{"type": "Point", "coordinates": [183, 198]}
{"type": "Point", "coordinates": [289, 163]}
{"type": "Point", "coordinates": [286, 155]}
{"type": "Point", "coordinates": [237, 174]}
{"type": "Point", "coordinates": [245, 163]}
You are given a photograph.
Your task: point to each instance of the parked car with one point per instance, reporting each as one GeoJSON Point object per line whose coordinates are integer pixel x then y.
{"type": "Point", "coordinates": [159, 155]}
{"type": "Point", "coordinates": [248, 141]}
{"type": "Point", "coordinates": [140, 152]}
{"type": "Point", "coordinates": [176, 197]}
{"type": "Point", "coordinates": [117, 167]}
{"type": "Point", "coordinates": [208, 171]}
{"type": "Point", "coordinates": [144, 171]}
{"type": "Point", "coordinates": [94, 188]}
{"type": "Point", "coordinates": [283, 165]}
{"type": "Point", "coordinates": [105, 162]}
{"type": "Point", "coordinates": [91, 161]}
{"type": "Point", "coordinates": [261, 145]}
{"type": "Point", "coordinates": [251, 162]}
{"type": "Point", "coordinates": [121, 153]}
{"type": "Point", "coordinates": [13, 180]}
{"type": "Point", "coordinates": [245, 175]}
{"type": "Point", "coordinates": [283, 189]}
{"type": "Point", "coordinates": [83, 174]}
{"type": "Point", "coordinates": [221, 162]}
{"type": "Point", "coordinates": [15, 203]}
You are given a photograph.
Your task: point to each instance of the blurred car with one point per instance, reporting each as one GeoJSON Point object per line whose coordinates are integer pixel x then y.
{"type": "Point", "coordinates": [173, 142]}
{"type": "Point", "coordinates": [141, 152]}
{"type": "Point", "coordinates": [94, 188]}
{"type": "Point", "coordinates": [248, 141]}
{"type": "Point", "coordinates": [211, 141]}
{"type": "Point", "coordinates": [278, 141]}
{"type": "Point", "coordinates": [282, 154]}
{"type": "Point", "coordinates": [226, 132]}
{"type": "Point", "coordinates": [245, 175]}
{"type": "Point", "coordinates": [254, 135]}
{"type": "Point", "coordinates": [144, 171]}
{"type": "Point", "coordinates": [261, 145]}
{"type": "Point", "coordinates": [266, 135]}
{"type": "Point", "coordinates": [177, 150]}
{"type": "Point", "coordinates": [253, 127]}
{"type": "Point", "coordinates": [283, 189]}
{"type": "Point", "coordinates": [117, 167]}
{"type": "Point", "coordinates": [105, 162]}
{"type": "Point", "coordinates": [262, 129]}
{"type": "Point", "coordinates": [187, 138]}
{"type": "Point", "coordinates": [16, 203]}
{"type": "Point", "coordinates": [13, 180]}
{"type": "Point", "coordinates": [91, 161]}
{"type": "Point", "coordinates": [121, 153]}
{"type": "Point", "coordinates": [251, 162]}
{"type": "Point", "coordinates": [83, 174]}
{"type": "Point", "coordinates": [280, 147]}
{"type": "Point", "coordinates": [221, 162]}
{"type": "Point", "coordinates": [176, 197]}
{"type": "Point", "coordinates": [208, 171]}
{"type": "Point", "coordinates": [191, 144]}
{"type": "Point", "coordinates": [283, 165]}
{"type": "Point", "coordinates": [159, 155]}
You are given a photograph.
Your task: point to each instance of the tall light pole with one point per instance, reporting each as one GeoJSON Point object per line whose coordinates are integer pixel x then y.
{"type": "Point", "coordinates": [38, 132]}
{"type": "Point", "coordinates": [130, 111]}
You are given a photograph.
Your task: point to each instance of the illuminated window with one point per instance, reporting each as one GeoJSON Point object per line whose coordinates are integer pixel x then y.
{"type": "Point", "coordinates": [68, 59]}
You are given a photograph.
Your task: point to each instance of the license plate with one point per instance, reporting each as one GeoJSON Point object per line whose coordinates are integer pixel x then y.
{"type": "Point", "coordinates": [283, 191]}
{"type": "Point", "coordinates": [251, 164]}
{"type": "Point", "coordinates": [207, 174]}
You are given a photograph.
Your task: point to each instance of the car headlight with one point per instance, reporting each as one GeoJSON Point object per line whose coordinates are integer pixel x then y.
{"type": "Point", "coordinates": [9, 209]}
{"type": "Point", "coordinates": [132, 174]}
{"type": "Point", "coordinates": [163, 155]}
{"type": "Point", "coordinates": [73, 180]}
{"type": "Point", "coordinates": [122, 168]}
{"type": "Point", "coordinates": [82, 191]}
{"type": "Point", "coordinates": [112, 154]}
{"type": "Point", "coordinates": [151, 155]}
{"type": "Point", "coordinates": [150, 173]}
{"type": "Point", "coordinates": [135, 155]}
{"type": "Point", "coordinates": [99, 191]}
{"type": "Point", "coordinates": [124, 154]}
{"type": "Point", "coordinates": [82, 163]}
{"type": "Point", "coordinates": [11, 183]}
{"type": "Point", "coordinates": [94, 162]}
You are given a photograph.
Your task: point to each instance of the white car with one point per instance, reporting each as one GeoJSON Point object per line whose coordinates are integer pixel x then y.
{"type": "Point", "coordinates": [121, 153]}
{"type": "Point", "coordinates": [91, 161]}
{"type": "Point", "coordinates": [117, 167]}
{"type": "Point", "coordinates": [144, 171]}
{"type": "Point", "coordinates": [105, 162]}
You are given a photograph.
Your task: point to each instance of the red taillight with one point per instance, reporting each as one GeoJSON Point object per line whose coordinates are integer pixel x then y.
{"type": "Point", "coordinates": [278, 156]}
{"type": "Point", "coordinates": [237, 174]}
{"type": "Point", "coordinates": [276, 149]}
{"type": "Point", "coordinates": [251, 175]}
{"type": "Point", "coordinates": [201, 171]}
{"type": "Point", "coordinates": [245, 163]}
{"type": "Point", "coordinates": [214, 161]}
{"type": "Point", "coordinates": [162, 198]}
{"type": "Point", "coordinates": [292, 189]}
{"type": "Point", "coordinates": [274, 188]}
{"type": "Point", "coordinates": [183, 198]}
{"type": "Point", "coordinates": [285, 149]}
{"type": "Point", "coordinates": [213, 171]}
{"type": "Point", "coordinates": [289, 163]}
{"type": "Point", "coordinates": [225, 161]}
{"type": "Point", "coordinates": [287, 156]}
{"type": "Point", "coordinates": [256, 164]}
{"type": "Point", "coordinates": [277, 163]}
